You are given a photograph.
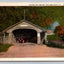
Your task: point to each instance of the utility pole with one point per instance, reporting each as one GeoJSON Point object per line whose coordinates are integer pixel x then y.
{"type": "Point", "coordinates": [24, 14]}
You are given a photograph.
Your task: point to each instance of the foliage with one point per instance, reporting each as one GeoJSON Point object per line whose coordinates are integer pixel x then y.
{"type": "Point", "coordinates": [59, 30]}
{"type": "Point", "coordinates": [4, 47]}
{"type": "Point", "coordinates": [55, 44]}
{"type": "Point", "coordinates": [36, 15]}
{"type": "Point", "coordinates": [48, 21]}
{"type": "Point", "coordinates": [53, 37]}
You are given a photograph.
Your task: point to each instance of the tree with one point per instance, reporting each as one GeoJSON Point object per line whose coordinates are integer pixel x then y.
{"type": "Point", "coordinates": [59, 30]}
{"type": "Point", "coordinates": [48, 21]}
{"type": "Point", "coordinates": [42, 16]}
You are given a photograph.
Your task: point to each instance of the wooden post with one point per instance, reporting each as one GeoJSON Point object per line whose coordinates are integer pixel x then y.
{"type": "Point", "coordinates": [38, 38]}
{"type": "Point", "coordinates": [46, 38]}
{"type": "Point", "coordinates": [24, 14]}
{"type": "Point", "coordinates": [10, 38]}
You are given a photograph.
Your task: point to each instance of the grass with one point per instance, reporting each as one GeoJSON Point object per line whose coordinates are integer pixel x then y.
{"type": "Point", "coordinates": [4, 47]}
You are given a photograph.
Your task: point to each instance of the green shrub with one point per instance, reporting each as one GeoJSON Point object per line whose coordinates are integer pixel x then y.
{"type": "Point", "coordinates": [53, 37]}
{"type": "Point", "coordinates": [55, 44]}
{"type": "Point", "coordinates": [4, 47]}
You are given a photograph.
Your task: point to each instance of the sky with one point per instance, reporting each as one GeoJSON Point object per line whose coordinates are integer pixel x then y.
{"type": "Point", "coordinates": [31, 0]}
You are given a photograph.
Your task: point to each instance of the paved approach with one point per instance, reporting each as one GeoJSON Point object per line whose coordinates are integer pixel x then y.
{"type": "Point", "coordinates": [31, 50]}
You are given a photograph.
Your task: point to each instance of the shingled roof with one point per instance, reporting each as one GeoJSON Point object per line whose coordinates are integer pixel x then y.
{"type": "Point", "coordinates": [21, 22]}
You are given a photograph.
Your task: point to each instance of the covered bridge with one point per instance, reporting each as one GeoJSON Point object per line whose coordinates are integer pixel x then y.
{"type": "Point", "coordinates": [24, 31]}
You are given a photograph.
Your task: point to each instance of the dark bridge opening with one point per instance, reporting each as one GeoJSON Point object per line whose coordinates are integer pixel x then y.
{"type": "Point", "coordinates": [25, 35]}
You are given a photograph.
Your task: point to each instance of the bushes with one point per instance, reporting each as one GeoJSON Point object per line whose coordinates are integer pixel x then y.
{"type": "Point", "coordinates": [59, 30]}
{"type": "Point", "coordinates": [53, 37]}
{"type": "Point", "coordinates": [4, 47]}
{"type": "Point", "coordinates": [55, 44]}
{"type": "Point", "coordinates": [55, 41]}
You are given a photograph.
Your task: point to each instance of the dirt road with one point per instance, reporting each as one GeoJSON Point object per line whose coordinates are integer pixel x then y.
{"type": "Point", "coordinates": [31, 50]}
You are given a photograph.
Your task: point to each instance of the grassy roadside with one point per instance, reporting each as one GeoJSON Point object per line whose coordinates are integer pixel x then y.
{"type": "Point", "coordinates": [55, 41]}
{"type": "Point", "coordinates": [55, 45]}
{"type": "Point", "coordinates": [4, 47]}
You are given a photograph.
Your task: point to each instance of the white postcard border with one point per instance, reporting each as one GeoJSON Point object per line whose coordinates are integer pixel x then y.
{"type": "Point", "coordinates": [32, 4]}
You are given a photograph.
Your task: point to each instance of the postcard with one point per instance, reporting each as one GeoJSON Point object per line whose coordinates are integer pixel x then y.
{"type": "Point", "coordinates": [31, 31]}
